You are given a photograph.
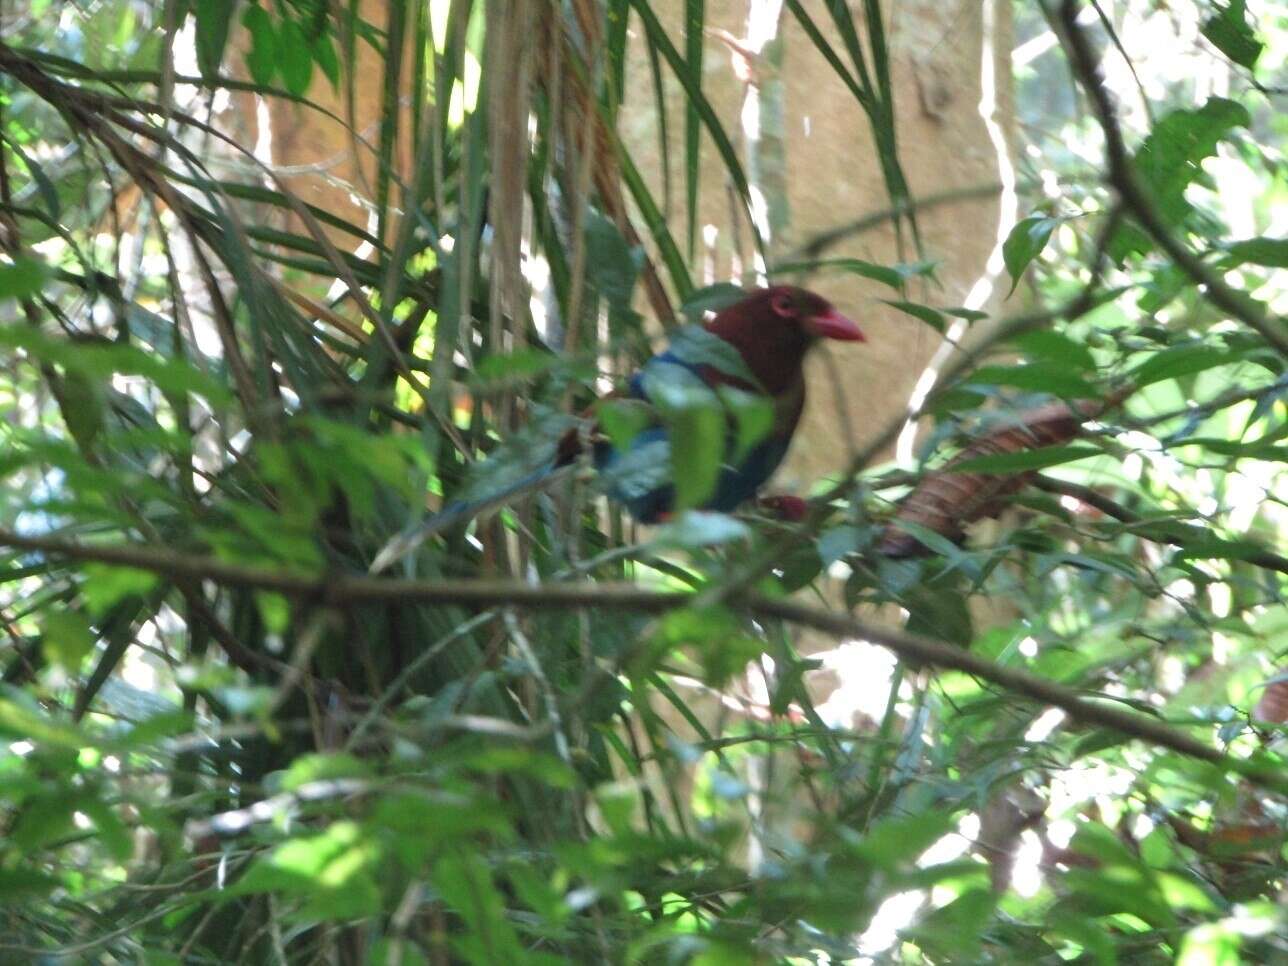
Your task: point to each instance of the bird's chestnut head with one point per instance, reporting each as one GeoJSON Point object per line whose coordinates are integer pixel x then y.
{"type": "Point", "coordinates": [773, 327]}
{"type": "Point", "coordinates": [813, 313]}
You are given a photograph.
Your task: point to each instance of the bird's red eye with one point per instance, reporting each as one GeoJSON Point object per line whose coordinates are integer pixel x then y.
{"type": "Point", "coordinates": [782, 305]}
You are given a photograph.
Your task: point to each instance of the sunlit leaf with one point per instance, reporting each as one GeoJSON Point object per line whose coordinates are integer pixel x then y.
{"type": "Point", "coordinates": [66, 638]}
{"type": "Point", "coordinates": [1036, 377]}
{"type": "Point", "coordinates": [1025, 242]}
{"type": "Point", "coordinates": [1231, 33]}
{"type": "Point", "coordinates": [106, 585]}
{"type": "Point", "coordinates": [22, 278]}
{"type": "Point", "coordinates": [320, 767]}
{"type": "Point", "coordinates": [1052, 346]}
{"type": "Point", "coordinates": [1180, 361]}
{"type": "Point", "coordinates": [1272, 252]}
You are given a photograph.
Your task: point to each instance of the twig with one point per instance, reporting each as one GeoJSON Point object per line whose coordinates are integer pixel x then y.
{"type": "Point", "coordinates": [418, 664]}
{"type": "Point", "coordinates": [1229, 398]}
{"type": "Point", "coordinates": [1122, 177]}
{"type": "Point", "coordinates": [529, 655]}
{"type": "Point", "coordinates": [338, 590]}
{"type": "Point", "coordinates": [1093, 498]}
{"type": "Point", "coordinates": [824, 240]}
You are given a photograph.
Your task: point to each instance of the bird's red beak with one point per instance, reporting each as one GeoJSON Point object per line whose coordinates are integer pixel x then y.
{"type": "Point", "coordinates": [833, 325]}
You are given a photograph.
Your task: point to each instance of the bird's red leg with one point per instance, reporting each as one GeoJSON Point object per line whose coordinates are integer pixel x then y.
{"type": "Point", "coordinates": [792, 509]}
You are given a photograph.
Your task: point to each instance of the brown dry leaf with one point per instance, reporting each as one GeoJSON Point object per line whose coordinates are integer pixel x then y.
{"type": "Point", "coordinates": [945, 501]}
{"type": "Point", "coordinates": [585, 130]}
{"type": "Point", "coordinates": [1273, 705]}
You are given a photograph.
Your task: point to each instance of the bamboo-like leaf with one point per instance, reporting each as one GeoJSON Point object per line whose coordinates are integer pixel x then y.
{"type": "Point", "coordinates": [694, 24]}
{"type": "Point", "coordinates": [693, 90]}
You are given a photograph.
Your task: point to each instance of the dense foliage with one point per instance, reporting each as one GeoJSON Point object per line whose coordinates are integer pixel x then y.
{"type": "Point", "coordinates": [550, 736]}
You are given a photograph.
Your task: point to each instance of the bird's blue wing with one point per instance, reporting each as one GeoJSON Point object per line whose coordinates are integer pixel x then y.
{"type": "Point", "coordinates": [642, 477]}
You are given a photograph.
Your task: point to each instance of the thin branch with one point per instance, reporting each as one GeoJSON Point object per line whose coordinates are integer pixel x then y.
{"type": "Point", "coordinates": [1228, 398]}
{"type": "Point", "coordinates": [1122, 177]}
{"type": "Point", "coordinates": [821, 242]}
{"type": "Point", "coordinates": [340, 590]}
{"type": "Point", "coordinates": [1093, 498]}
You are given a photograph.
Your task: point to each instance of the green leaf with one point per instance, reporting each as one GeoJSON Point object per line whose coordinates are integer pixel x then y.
{"type": "Point", "coordinates": [961, 312]}
{"type": "Point", "coordinates": [694, 529]}
{"type": "Point", "coordinates": [720, 637]}
{"type": "Point", "coordinates": [932, 317]}
{"type": "Point", "coordinates": [695, 98]}
{"type": "Point", "coordinates": [17, 721]}
{"type": "Point", "coordinates": [712, 298]}
{"type": "Point", "coordinates": [19, 885]}
{"type": "Point", "coordinates": [952, 932]}
{"type": "Point", "coordinates": [501, 760]}
{"type": "Point", "coordinates": [107, 584]}
{"type": "Point", "coordinates": [83, 407]}
{"type": "Point", "coordinates": [657, 226]}
{"type": "Point", "coordinates": [753, 415]}
{"type": "Point", "coordinates": [66, 638]}
{"type": "Point", "coordinates": [895, 843]}
{"type": "Point", "coordinates": [1272, 252]}
{"type": "Point", "coordinates": [696, 347]}
{"type": "Point", "coordinates": [296, 58]}
{"type": "Point", "coordinates": [391, 951]}
{"type": "Point", "coordinates": [1031, 459]}
{"type": "Point", "coordinates": [112, 832]}
{"type": "Point", "coordinates": [247, 701]}
{"type": "Point", "coordinates": [323, 767]}
{"type": "Point", "coordinates": [1211, 944]}
{"type": "Point", "coordinates": [1230, 32]}
{"type": "Point", "coordinates": [931, 539]}
{"type": "Point", "coordinates": [612, 265]}
{"type": "Point", "coordinates": [48, 193]}
{"type": "Point", "coordinates": [1025, 242]}
{"type": "Point", "coordinates": [333, 871]}
{"type": "Point", "coordinates": [696, 427]}
{"type": "Point", "coordinates": [262, 60]}
{"type": "Point", "coordinates": [46, 819]}
{"type": "Point", "coordinates": [324, 56]}
{"type": "Point", "coordinates": [1120, 883]}
{"type": "Point", "coordinates": [214, 17]}
{"type": "Point", "coordinates": [97, 360]}
{"type": "Point", "coordinates": [520, 364]}
{"type": "Point", "coordinates": [1180, 361]}
{"type": "Point", "coordinates": [464, 881]}
{"type": "Point", "coordinates": [835, 543]}
{"type": "Point", "coordinates": [1036, 377]}
{"type": "Point", "coordinates": [694, 44]}
{"type": "Point", "coordinates": [939, 612]}
{"type": "Point", "coordinates": [157, 727]}
{"type": "Point", "coordinates": [892, 275]}
{"type": "Point", "coordinates": [1207, 547]}
{"type": "Point", "coordinates": [1051, 346]}
{"type": "Point", "coordinates": [624, 419]}
{"type": "Point", "coordinates": [1171, 158]}
{"type": "Point", "coordinates": [22, 278]}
